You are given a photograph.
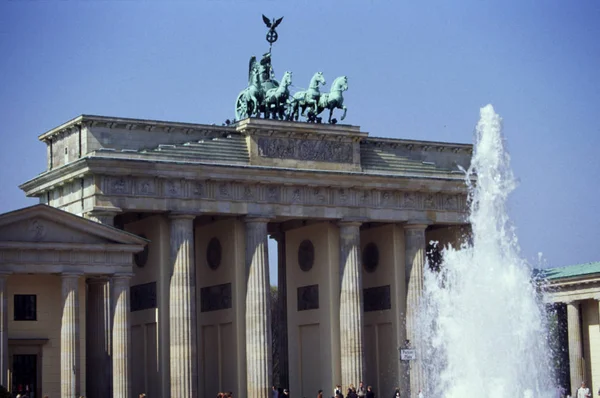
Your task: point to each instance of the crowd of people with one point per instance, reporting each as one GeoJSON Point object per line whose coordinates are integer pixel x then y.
{"type": "Point", "coordinates": [352, 392]}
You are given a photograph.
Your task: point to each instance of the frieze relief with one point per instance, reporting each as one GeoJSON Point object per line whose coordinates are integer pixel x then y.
{"type": "Point", "coordinates": [308, 150]}
{"type": "Point", "coordinates": [286, 194]}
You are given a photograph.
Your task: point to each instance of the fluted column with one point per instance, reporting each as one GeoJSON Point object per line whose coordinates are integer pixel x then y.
{"type": "Point", "coordinates": [258, 314]}
{"type": "Point", "coordinates": [98, 337]}
{"type": "Point", "coordinates": [575, 349]}
{"type": "Point", "coordinates": [182, 305]}
{"type": "Point", "coordinates": [69, 337]}
{"type": "Point", "coordinates": [284, 377]}
{"type": "Point", "coordinates": [3, 331]}
{"type": "Point", "coordinates": [121, 338]}
{"type": "Point", "coordinates": [351, 305]}
{"type": "Point", "coordinates": [414, 236]}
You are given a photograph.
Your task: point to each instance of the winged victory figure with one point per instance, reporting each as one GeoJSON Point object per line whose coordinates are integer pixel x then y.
{"type": "Point", "coordinates": [272, 34]}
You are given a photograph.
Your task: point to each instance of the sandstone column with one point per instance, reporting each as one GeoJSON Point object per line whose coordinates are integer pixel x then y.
{"type": "Point", "coordinates": [121, 338]}
{"type": "Point", "coordinates": [284, 377]}
{"type": "Point", "coordinates": [69, 337]}
{"type": "Point", "coordinates": [182, 305]}
{"type": "Point", "coordinates": [98, 337]}
{"type": "Point", "coordinates": [3, 331]}
{"type": "Point", "coordinates": [258, 314]}
{"type": "Point", "coordinates": [575, 349]}
{"type": "Point", "coordinates": [414, 236]}
{"type": "Point", "coordinates": [351, 305]}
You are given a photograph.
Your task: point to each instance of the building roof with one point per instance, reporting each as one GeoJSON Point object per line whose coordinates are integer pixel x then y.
{"type": "Point", "coordinates": [571, 271]}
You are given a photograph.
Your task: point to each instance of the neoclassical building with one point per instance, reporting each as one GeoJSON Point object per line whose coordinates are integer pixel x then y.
{"type": "Point", "coordinates": [145, 266]}
{"type": "Point", "coordinates": [574, 293]}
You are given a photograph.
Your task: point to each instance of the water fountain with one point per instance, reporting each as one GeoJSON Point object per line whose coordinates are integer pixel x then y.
{"type": "Point", "coordinates": [482, 328]}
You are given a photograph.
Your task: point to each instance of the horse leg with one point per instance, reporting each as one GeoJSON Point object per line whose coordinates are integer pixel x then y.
{"type": "Point", "coordinates": [330, 113]}
{"type": "Point", "coordinates": [344, 115]}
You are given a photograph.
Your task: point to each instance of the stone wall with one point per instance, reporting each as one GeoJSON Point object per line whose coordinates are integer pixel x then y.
{"type": "Point", "coordinates": [313, 323]}
{"type": "Point", "coordinates": [47, 326]}
{"type": "Point", "coordinates": [220, 307]}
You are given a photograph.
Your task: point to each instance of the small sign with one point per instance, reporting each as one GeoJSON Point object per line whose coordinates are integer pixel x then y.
{"type": "Point", "coordinates": [408, 355]}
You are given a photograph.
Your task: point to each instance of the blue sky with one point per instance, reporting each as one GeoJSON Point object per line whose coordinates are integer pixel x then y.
{"type": "Point", "coordinates": [418, 70]}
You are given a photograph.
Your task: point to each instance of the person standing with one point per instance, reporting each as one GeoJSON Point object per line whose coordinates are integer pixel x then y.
{"type": "Point", "coordinates": [370, 393]}
{"type": "Point", "coordinates": [361, 392]}
{"type": "Point", "coordinates": [583, 391]}
{"type": "Point", "coordinates": [421, 394]}
{"type": "Point", "coordinates": [275, 392]}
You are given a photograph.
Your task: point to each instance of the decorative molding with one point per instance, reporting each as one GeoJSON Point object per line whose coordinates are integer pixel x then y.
{"type": "Point", "coordinates": [214, 253]}
{"type": "Point", "coordinates": [306, 255]}
{"type": "Point", "coordinates": [305, 149]}
{"type": "Point", "coordinates": [236, 191]}
{"type": "Point", "coordinates": [37, 229]}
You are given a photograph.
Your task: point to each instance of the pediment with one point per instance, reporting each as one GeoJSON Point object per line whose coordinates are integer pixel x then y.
{"type": "Point", "coordinates": [45, 224]}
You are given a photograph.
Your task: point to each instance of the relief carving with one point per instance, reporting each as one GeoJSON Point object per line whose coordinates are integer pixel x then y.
{"type": "Point", "coordinates": [429, 201]}
{"type": "Point", "coordinates": [172, 188]}
{"type": "Point", "coordinates": [319, 195]}
{"type": "Point", "coordinates": [37, 230]}
{"type": "Point", "coordinates": [119, 185]}
{"type": "Point", "coordinates": [146, 187]}
{"type": "Point", "coordinates": [409, 200]}
{"type": "Point", "coordinates": [273, 193]}
{"type": "Point", "coordinates": [248, 193]}
{"type": "Point", "coordinates": [308, 150]}
{"type": "Point", "coordinates": [296, 195]}
{"type": "Point", "coordinates": [198, 189]}
{"type": "Point", "coordinates": [342, 196]}
{"type": "Point", "coordinates": [450, 203]}
{"type": "Point", "coordinates": [224, 190]}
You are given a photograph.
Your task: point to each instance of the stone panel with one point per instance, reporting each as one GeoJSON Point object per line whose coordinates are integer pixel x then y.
{"type": "Point", "coordinates": [308, 298]}
{"type": "Point", "coordinates": [215, 298]}
{"type": "Point", "coordinates": [377, 298]}
{"type": "Point", "coordinates": [143, 297]}
{"type": "Point", "coordinates": [311, 150]}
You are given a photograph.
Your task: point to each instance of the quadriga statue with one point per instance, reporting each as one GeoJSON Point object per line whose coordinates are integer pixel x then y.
{"type": "Point", "coordinates": [334, 98]}
{"type": "Point", "coordinates": [306, 99]}
{"type": "Point", "coordinates": [276, 98]}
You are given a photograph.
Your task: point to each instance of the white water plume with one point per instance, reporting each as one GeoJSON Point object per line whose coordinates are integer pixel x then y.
{"type": "Point", "coordinates": [482, 327]}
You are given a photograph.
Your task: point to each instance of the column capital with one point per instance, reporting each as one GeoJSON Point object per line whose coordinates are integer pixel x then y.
{"type": "Point", "coordinates": [182, 216]}
{"type": "Point", "coordinates": [67, 275]}
{"type": "Point", "coordinates": [256, 219]}
{"type": "Point", "coordinates": [349, 223]}
{"type": "Point", "coordinates": [417, 224]}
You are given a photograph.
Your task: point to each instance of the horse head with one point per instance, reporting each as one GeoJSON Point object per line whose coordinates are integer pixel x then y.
{"type": "Point", "coordinates": [286, 80]}
{"type": "Point", "coordinates": [340, 84]}
{"type": "Point", "coordinates": [317, 79]}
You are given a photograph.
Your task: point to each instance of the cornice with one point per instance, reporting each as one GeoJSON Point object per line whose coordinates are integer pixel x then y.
{"type": "Point", "coordinates": [417, 145]}
{"type": "Point", "coordinates": [300, 130]}
{"type": "Point", "coordinates": [48, 180]}
{"type": "Point", "coordinates": [174, 169]}
{"type": "Point", "coordinates": [129, 124]}
{"type": "Point", "coordinates": [285, 176]}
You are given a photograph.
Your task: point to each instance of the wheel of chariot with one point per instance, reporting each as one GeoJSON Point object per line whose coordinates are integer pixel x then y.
{"type": "Point", "coordinates": [272, 36]}
{"type": "Point", "coordinates": [241, 107]}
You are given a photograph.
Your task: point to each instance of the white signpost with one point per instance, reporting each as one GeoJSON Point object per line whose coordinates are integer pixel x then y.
{"type": "Point", "coordinates": [408, 354]}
